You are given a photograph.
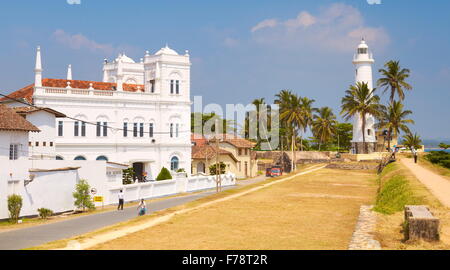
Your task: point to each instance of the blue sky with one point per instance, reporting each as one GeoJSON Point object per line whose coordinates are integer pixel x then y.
{"type": "Point", "coordinates": [241, 50]}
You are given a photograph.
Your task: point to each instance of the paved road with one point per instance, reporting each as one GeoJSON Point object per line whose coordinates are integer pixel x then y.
{"type": "Point", "coordinates": [41, 234]}
{"type": "Point", "coordinates": [437, 184]}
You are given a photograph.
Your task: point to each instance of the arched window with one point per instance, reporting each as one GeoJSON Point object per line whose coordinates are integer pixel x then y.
{"type": "Point", "coordinates": [102, 158]}
{"type": "Point", "coordinates": [80, 158]}
{"type": "Point", "coordinates": [174, 163]}
{"type": "Point", "coordinates": [59, 158]}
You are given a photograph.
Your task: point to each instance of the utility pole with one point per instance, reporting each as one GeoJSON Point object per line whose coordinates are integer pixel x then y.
{"type": "Point", "coordinates": [217, 155]}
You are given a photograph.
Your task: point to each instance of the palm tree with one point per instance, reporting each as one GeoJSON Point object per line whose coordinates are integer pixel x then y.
{"type": "Point", "coordinates": [393, 119]}
{"type": "Point", "coordinates": [258, 103]}
{"type": "Point", "coordinates": [412, 141]}
{"type": "Point", "coordinates": [307, 114]}
{"type": "Point", "coordinates": [360, 100]}
{"type": "Point", "coordinates": [324, 125]}
{"type": "Point", "coordinates": [394, 80]}
{"type": "Point", "coordinates": [291, 113]}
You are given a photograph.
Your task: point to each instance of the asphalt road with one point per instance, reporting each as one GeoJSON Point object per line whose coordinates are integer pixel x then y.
{"type": "Point", "coordinates": [41, 234]}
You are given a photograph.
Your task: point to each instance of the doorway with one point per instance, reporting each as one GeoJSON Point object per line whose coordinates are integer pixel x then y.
{"type": "Point", "coordinates": [138, 168]}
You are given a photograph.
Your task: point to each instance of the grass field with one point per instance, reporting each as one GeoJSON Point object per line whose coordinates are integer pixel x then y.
{"type": "Point", "coordinates": [406, 189]}
{"type": "Point", "coordinates": [313, 211]}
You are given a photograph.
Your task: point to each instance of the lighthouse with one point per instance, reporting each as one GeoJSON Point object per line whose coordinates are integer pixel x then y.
{"type": "Point", "coordinates": [363, 62]}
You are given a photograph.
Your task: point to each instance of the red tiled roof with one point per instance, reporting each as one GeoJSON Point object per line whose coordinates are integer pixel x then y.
{"type": "Point", "coordinates": [209, 152]}
{"type": "Point", "coordinates": [27, 110]}
{"type": "Point", "coordinates": [26, 93]}
{"type": "Point", "coordinates": [10, 120]}
{"type": "Point", "coordinates": [199, 140]}
{"type": "Point", "coordinates": [235, 141]}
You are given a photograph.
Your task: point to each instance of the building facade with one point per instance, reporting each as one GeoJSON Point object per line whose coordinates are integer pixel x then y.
{"type": "Point", "coordinates": [363, 61]}
{"type": "Point", "coordinates": [138, 115]}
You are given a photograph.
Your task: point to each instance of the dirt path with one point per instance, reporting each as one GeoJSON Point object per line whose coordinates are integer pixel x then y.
{"type": "Point", "coordinates": [438, 185]}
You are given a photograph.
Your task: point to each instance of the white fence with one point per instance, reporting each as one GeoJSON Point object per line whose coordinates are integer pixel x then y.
{"type": "Point", "coordinates": [135, 192]}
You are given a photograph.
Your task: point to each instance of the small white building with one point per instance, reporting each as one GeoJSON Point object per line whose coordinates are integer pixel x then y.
{"type": "Point", "coordinates": [138, 115]}
{"type": "Point", "coordinates": [42, 144]}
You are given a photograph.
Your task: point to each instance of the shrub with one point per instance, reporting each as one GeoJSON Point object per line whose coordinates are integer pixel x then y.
{"type": "Point", "coordinates": [44, 213]}
{"type": "Point", "coordinates": [14, 207]}
{"type": "Point", "coordinates": [212, 168]}
{"type": "Point", "coordinates": [128, 176]}
{"type": "Point", "coordinates": [164, 174]}
{"type": "Point", "coordinates": [82, 196]}
{"type": "Point", "coordinates": [181, 170]}
{"type": "Point", "coordinates": [440, 158]}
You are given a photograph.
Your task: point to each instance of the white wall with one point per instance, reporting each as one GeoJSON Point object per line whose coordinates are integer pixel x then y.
{"type": "Point", "coordinates": [45, 121]}
{"type": "Point", "coordinates": [14, 137]}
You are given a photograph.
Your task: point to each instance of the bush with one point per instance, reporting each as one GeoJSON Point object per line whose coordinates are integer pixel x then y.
{"type": "Point", "coordinates": [82, 196]}
{"type": "Point", "coordinates": [440, 158]}
{"type": "Point", "coordinates": [14, 207]}
{"type": "Point", "coordinates": [181, 170]}
{"type": "Point", "coordinates": [164, 175]}
{"type": "Point", "coordinates": [212, 168]}
{"type": "Point", "coordinates": [128, 176]}
{"type": "Point", "coordinates": [44, 213]}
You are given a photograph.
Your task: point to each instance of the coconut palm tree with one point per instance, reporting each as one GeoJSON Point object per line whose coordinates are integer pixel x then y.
{"type": "Point", "coordinates": [291, 113]}
{"type": "Point", "coordinates": [259, 102]}
{"type": "Point", "coordinates": [324, 125]}
{"type": "Point", "coordinates": [393, 119]}
{"type": "Point", "coordinates": [282, 99]}
{"type": "Point", "coordinates": [393, 79]}
{"type": "Point", "coordinates": [307, 115]}
{"type": "Point", "coordinates": [412, 141]}
{"type": "Point", "coordinates": [360, 100]}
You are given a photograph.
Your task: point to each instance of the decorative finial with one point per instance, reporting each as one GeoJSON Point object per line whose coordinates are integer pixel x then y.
{"type": "Point", "coordinates": [68, 85]}
{"type": "Point", "coordinates": [91, 86]}
{"type": "Point", "coordinates": [187, 52]}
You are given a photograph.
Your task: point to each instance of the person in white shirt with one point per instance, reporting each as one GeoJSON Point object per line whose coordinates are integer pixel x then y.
{"type": "Point", "coordinates": [142, 208]}
{"type": "Point", "coordinates": [120, 207]}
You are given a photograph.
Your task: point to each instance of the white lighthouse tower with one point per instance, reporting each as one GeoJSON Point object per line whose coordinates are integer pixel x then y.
{"type": "Point", "coordinates": [363, 61]}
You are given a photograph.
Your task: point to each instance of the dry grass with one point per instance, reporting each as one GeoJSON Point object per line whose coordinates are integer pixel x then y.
{"type": "Point", "coordinates": [389, 227]}
{"type": "Point", "coordinates": [313, 211]}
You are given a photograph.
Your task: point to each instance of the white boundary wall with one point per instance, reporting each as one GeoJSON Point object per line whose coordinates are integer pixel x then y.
{"type": "Point", "coordinates": [53, 190]}
{"type": "Point", "coordinates": [135, 192]}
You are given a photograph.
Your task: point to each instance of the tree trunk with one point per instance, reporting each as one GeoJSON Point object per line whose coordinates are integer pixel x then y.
{"type": "Point", "coordinates": [389, 139]}
{"type": "Point", "coordinates": [364, 132]}
{"type": "Point", "coordinates": [293, 152]}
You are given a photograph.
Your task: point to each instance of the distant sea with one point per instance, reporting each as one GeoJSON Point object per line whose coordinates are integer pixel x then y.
{"type": "Point", "coordinates": [437, 149]}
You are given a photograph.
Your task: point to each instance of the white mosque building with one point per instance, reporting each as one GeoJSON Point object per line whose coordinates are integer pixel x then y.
{"type": "Point", "coordinates": [363, 60]}
{"type": "Point", "coordinates": [138, 115]}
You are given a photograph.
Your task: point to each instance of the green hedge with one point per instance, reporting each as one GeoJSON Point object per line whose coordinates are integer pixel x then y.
{"type": "Point", "coordinates": [440, 158]}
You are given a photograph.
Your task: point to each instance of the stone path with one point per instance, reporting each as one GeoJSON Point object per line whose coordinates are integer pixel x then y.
{"type": "Point", "coordinates": [362, 238]}
{"type": "Point", "coordinates": [438, 185]}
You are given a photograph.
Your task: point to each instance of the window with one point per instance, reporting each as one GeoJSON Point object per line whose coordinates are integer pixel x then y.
{"type": "Point", "coordinates": [102, 158]}
{"type": "Point", "coordinates": [141, 129]}
{"type": "Point", "coordinates": [37, 143]}
{"type": "Point", "coordinates": [125, 129]}
{"type": "Point", "coordinates": [83, 129]}
{"type": "Point", "coordinates": [362, 50]}
{"type": "Point", "coordinates": [105, 129]}
{"type": "Point", "coordinates": [177, 88]}
{"type": "Point", "coordinates": [150, 131]}
{"type": "Point", "coordinates": [135, 129]}
{"type": "Point", "coordinates": [76, 129]}
{"type": "Point", "coordinates": [369, 132]}
{"type": "Point", "coordinates": [240, 151]}
{"type": "Point", "coordinates": [171, 130]}
{"type": "Point", "coordinates": [60, 128]}
{"type": "Point", "coordinates": [99, 129]}
{"type": "Point", "coordinates": [80, 158]}
{"type": "Point", "coordinates": [29, 144]}
{"type": "Point", "coordinates": [44, 144]}
{"type": "Point", "coordinates": [152, 86]}
{"type": "Point", "coordinates": [13, 151]}
{"type": "Point", "coordinates": [171, 86]}
{"type": "Point", "coordinates": [51, 144]}
{"type": "Point", "coordinates": [59, 158]}
{"type": "Point", "coordinates": [174, 162]}
{"type": "Point", "coordinates": [177, 131]}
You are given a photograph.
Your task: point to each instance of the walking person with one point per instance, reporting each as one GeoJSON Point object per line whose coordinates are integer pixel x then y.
{"type": "Point", "coordinates": [120, 207]}
{"type": "Point", "coordinates": [142, 208]}
{"type": "Point", "coordinates": [415, 155]}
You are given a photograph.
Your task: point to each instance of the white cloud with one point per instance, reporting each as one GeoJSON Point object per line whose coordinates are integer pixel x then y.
{"type": "Point", "coordinates": [304, 19]}
{"type": "Point", "coordinates": [79, 41]}
{"type": "Point", "coordinates": [269, 23]}
{"type": "Point", "coordinates": [337, 27]}
{"type": "Point", "coordinates": [374, 2]}
{"type": "Point", "coordinates": [74, 2]}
